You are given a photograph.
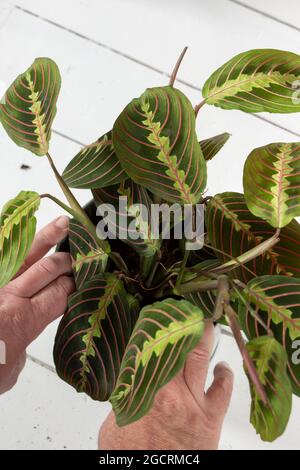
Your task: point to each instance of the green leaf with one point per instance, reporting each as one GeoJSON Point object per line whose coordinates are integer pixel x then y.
{"type": "Point", "coordinates": [274, 300]}
{"type": "Point", "coordinates": [164, 334]}
{"type": "Point", "coordinates": [136, 229]}
{"type": "Point", "coordinates": [95, 166]}
{"type": "Point", "coordinates": [272, 183]}
{"type": "Point", "coordinates": [28, 107]}
{"type": "Point", "coordinates": [92, 337]}
{"type": "Point", "coordinates": [270, 360]}
{"type": "Point", "coordinates": [233, 229]}
{"type": "Point", "coordinates": [255, 81]}
{"type": "Point", "coordinates": [155, 140]}
{"type": "Point", "coordinates": [210, 147]}
{"type": "Point", "coordinates": [17, 231]}
{"type": "Point", "coordinates": [88, 259]}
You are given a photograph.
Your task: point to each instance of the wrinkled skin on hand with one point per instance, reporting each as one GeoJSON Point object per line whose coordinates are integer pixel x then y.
{"type": "Point", "coordinates": [33, 299]}
{"type": "Point", "coordinates": [184, 416]}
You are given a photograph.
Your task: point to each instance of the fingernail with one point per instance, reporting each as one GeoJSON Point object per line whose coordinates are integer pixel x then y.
{"type": "Point", "coordinates": [62, 222]}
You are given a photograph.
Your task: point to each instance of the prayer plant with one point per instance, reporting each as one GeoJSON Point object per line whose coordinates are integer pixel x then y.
{"type": "Point", "coordinates": [141, 301]}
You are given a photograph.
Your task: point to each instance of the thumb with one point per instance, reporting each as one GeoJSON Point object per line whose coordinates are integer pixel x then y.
{"type": "Point", "coordinates": [197, 362]}
{"type": "Point", "coordinates": [218, 395]}
{"type": "Point", "coordinates": [49, 304]}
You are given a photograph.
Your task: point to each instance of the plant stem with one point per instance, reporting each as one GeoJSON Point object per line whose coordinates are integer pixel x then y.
{"type": "Point", "coordinates": [198, 107]}
{"type": "Point", "coordinates": [221, 297]}
{"type": "Point", "coordinates": [249, 255]}
{"type": "Point", "coordinates": [81, 216]}
{"type": "Point", "coordinates": [252, 372]}
{"type": "Point", "coordinates": [182, 268]}
{"type": "Point", "coordinates": [146, 265]}
{"type": "Point", "coordinates": [176, 68]}
{"type": "Point", "coordinates": [255, 315]}
{"type": "Point", "coordinates": [59, 203]}
{"type": "Point", "coordinates": [69, 195]}
{"type": "Point", "coordinates": [232, 264]}
{"type": "Point", "coordinates": [118, 260]}
{"type": "Point", "coordinates": [232, 258]}
{"type": "Point", "coordinates": [76, 207]}
{"type": "Point", "coordinates": [153, 269]}
{"type": "Point", "coordinates": [199, 286]}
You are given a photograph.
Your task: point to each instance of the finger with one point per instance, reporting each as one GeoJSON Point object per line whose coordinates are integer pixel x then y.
{"type": "Point", "coordinates": [197, 362]}
{"type": "Point", "coordinates": [45, 239]}
{"type": "Point", "coordinates": [42, 273]}
{"type": "Point", "coordinates": [219, 393]}
{"type": "Point", "coordinates": [11, 374]}
{"type": "Point", "coordinates": [49, 304]}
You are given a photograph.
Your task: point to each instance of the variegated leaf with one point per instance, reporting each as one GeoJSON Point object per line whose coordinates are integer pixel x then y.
{"type": "Point", "coordinates": [88, 259]}
{"type": "Point", "coordinates": [28, 107]}
{"type": "Point", "coordinates": [92, 337]}
{"type": "Point", "coordinates": [269, 357]}
{"type": "Point", "coordinates": [165, 332]}
{"type": "Point", "coordinates": [95, 166]}
{"type": "Point", "coordinates": [233, 229]}
{"type": "Point", "coordinates": [255, 81]}
{"type": "Point", "coordinates": [156, 143]}
{"type": "Point", "coordinates": [274, 300]}
{"type": "Point", "coordinates": [272, 183]}
{"type": "Point", "coordinates": [17, 231]}
{"type": "Point", "coordinates": [129, 221]}
{"type": "Point", "coordinates": [211, 146]}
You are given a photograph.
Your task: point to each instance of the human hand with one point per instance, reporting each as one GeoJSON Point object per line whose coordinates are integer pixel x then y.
{"type": "Point", "coordinates": [183, 416]}
{"type": "Point", "coordinates": [37, 296]}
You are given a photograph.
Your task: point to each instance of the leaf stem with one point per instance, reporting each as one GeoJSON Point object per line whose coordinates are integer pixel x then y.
{"type": "Point", "coordinates": [199, 286]}
{"type": "Point", "coordinates": [221, 297]}
{"type": "Point", "coordinates": [67, 192]}
{"type": "Point", "coordinates": [249, 255]}
{"type": "Point", "coordinates": [192, 285]}
{"type": "Point", "coordinates": [146, 264]}
{"type": "Point", "coordinates": [250, 367]}
{"type": "Point", "coordinates": [153, 269]}
{"type": "Point", "coordinates": [118, 260]}
{"type": "Point", "coordinates": [234, 283]}
{"type": "Point", "coordinates": [198, 107]}
{"type": "Point", "coordinates": [59, 203]}
{"type": "Point", "coordinates": [82, 217]}
{"type": "Point", "coordinates": [176, 68]}
{"type": "Point", "coordinates": [76, 207]}
{"type": "Point", "coordinates": [182, 268]}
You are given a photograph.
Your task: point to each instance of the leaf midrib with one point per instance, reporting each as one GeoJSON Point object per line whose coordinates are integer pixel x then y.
{"type": "Point", "coordinates": [108, 296]}
{"type": "Point", "coordinates": [17, 212]}
{"type": "Point", "coordinates": [242, 82]}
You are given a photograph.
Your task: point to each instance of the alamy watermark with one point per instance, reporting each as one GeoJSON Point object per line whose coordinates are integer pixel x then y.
{"type": "Point", "coordinates": [2, 352]}
{"type": "Point", "coordinates": [296, 354]}
{"type": "Point", "coordinates": [152, 222]}
{"type": "Point", "coordinates": [296, 93]}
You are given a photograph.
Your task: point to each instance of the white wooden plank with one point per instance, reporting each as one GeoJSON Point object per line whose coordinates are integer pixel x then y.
{"type": "Point", "coordinates": [6, 8]}
{"type": "Point", "coordinates": [214, 31]}
{"type": "Point", "coordinates": [42, 412]}
{"type": "Point", "coordinates": [35, 414]}
{"type": "Point", "coordinates": [96, 85]}
{"type": "Point", "coordinates": [285, 12]}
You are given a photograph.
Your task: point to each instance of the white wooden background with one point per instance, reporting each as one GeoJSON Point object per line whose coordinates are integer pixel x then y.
{"type": "Point", "coordinates": [108, 52]}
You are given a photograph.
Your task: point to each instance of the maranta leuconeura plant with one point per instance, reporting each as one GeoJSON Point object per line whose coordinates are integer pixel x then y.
{"type": "Point", "coordinates": [141, 301]}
